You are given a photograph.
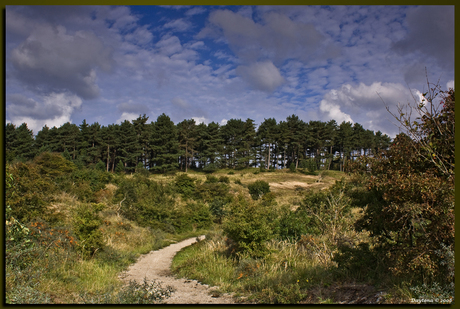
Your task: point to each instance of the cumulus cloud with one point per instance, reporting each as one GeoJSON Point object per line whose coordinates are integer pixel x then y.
{"type": "Point", "coordinates": [169, 45]}
{"type": "Point", "coordinates": [54, 109]}
{"type": "Point", "coordinates": [55, 61]}
{"type": "Point", "coordinates": [140, 36]}
{"type": "Point", "coordinates": [431, 31]}
{"type": "Point", "coordinates": [276, 38]}
{"type": "Point", "coordinates": [367, 104]}
{"type": "Point", "coordinates": [263, 76]}
{"type": "Point", "coordinates": [195, 11]}
{"type": "Point", "coordinates": [178, 25]}
{"type": "Point", "coordinates": [131, 111]}
{"type": "Point", "coordinates": [199, 120]}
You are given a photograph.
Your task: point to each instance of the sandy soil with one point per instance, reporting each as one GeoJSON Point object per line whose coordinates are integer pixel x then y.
{"type": "Point", "coordinates": [156, 266]}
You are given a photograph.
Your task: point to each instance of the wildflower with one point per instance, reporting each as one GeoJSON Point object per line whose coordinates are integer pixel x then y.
{"type": "Point", "coordinates": [240, 276]}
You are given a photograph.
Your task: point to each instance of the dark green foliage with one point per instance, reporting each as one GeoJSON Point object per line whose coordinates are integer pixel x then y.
{"type": "Point", "coordinates": [207, 192]}
{"type": "Point", "coordinates": [185, 185]}
{"type": "Point", "coordinates": [224, 179]}
{"type": "Point", "coordinates": [84, 183]}
{"type": "Point", "coordinates": [120, 167]}
{"type": "Point", "coordinates": [100, 166]}
{"type": "Point", "coordinates": [145, 201]}
{"type": "Point", "coordinates": [141, 170]}
{"type": "Point", "coordinates": [292, 224]}
{"type": "Point", "coordinates": [196, 215]}
{"type": "Point", "coordinates": [361, 261]}
{"type": "Point", "coordinates": [164, 145]}
{"type": "Point", "coordinates": [292, 167]}
{"type": "Point", "coordinates": [258, 188]}
{"type": "Point", "coordinates": [32, 192]}
{"type": "Point", "coordinates": [53, 164]}
{"type": "Point", "coordinates": [216, 206]}
{"type": "Point", "coordinates": [86, 227]}
{"type": "Point", "coordinates": [211, 179]}
{"type": "Point", "coordinates": [210, 168]}
{"type": "Point", "coordinates": [249, 225]}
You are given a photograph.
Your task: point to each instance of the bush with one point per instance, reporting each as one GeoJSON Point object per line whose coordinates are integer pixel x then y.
{"type": "Point", "coordinates": [292, 224]}
{"type": "Point", "coordinates": [224, 179]}
{"type": "Point", "coordinates": [210, 191]}
{"type": "Point", "coordinates": [86, 227]}
{"type": "Point", "coordinates": [185, 185]}
{"type": "Point", "coordinates": [211, 179]}
{"type": "Point", "coordinates": [249, 226]}
{"type": "Point", "coordinates": [258, 188]}
{"type": "Point", "coordinates": [210, 168]}
{"type": "Point", "coordinates": [292, 167]}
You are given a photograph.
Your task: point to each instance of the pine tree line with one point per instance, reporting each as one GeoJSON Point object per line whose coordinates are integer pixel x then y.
{"type": "Point", "coordinates": [162, 146]}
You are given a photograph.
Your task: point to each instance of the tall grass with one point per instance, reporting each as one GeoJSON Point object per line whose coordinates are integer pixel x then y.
{"type": "Point", "coordinates": [283, 276]}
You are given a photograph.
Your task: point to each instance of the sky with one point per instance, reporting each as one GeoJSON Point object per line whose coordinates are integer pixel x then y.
{"type": "Point", "coordinates": [108, 64]}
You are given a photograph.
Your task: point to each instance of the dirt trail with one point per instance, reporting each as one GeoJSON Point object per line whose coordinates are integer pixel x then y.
{"type": "Point", "coordinates": [156, 266]}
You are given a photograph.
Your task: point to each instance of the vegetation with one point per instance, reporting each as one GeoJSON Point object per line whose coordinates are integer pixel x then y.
{"type": "Point", "coordinates": [284, 222]}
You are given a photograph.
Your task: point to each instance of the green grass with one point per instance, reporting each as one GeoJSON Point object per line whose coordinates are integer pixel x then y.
{"type": "Point", "coordinates": [283, 276]}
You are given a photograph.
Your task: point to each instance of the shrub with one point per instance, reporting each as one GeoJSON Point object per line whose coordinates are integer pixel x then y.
{"type": "Point", "coordinates": [29, 192]}
{"type": "Point", "coordinates": [210, 191]}
{"type": "Point", "coordinates": [231, 173]}
{"type": "Point", "coordinates": [217, 209]}
{"type": "Point", "coordinates": [185, 185]}
{"type": "Point", "coordinates": [86, 227]}
{"type": "Point", "coordinates": [210, 168]}
{"type": "Point", "coordinates": [292, 167]}
{"type": "Point", "coordinates": [120, 168]}
{"type": "Point", "coordinates": [292, 224]}
{"type": "Point", "coordinates": [211, 179]}
{"type": "Point", "coordinates": [224, 179]}
{"type": "Point", "coordinates": [258, 188]}
{"type": "Point", "coordinates": [249, 226]}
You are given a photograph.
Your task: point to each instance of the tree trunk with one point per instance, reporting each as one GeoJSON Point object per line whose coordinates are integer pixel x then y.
{"type": "Point", "coordinates": [186, 149]}
{"type": "Point", "coordinates": [108, 156]}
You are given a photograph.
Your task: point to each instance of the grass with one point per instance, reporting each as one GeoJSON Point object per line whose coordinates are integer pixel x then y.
{"type": "Point", "coordinates": [284, 276]}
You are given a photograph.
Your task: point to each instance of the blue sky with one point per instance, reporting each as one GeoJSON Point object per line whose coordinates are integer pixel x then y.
{"type": "Point", "coordinates": [106, 64]}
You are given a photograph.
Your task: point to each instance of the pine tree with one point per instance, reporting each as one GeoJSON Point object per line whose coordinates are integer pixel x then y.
{"type": "Point", "coordinates": [164, 145]}
{"type": "Point", "coordinates": [187, 137]}
{"type": "Point", "coordinates": [142, 138]}
{"type": "Point", "coordinates": [23, 144]}
{"type": "Point", "coordinates": [267, 134]}
{"type": "Point", "coordinates": [10, 138]}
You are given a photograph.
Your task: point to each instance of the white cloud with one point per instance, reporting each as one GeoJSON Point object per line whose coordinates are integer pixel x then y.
{"type": "Point", "coordinates": [450, 84]}
{"type": "Point", "coordinates": [263, 76]}
{"type": "Point", "coordinates": [169, 45]}
{"type": "Point", "coordinates": [178, 25]}
{"type": "Point", "coordinates": [60, 62]}
{"type": "Point", "coordinates": [140, 36]}
{"type": "Point", "coordinates": [276, 38]}
{"type": "Point", "coordinates": [199, 120]}
{"type": "Point", "coordinates": [367, 104]}
{"type": "Point", "coordinates": [223, 122]}
{"type": "Point", "coordinates": [127, 116]}
{"type": "Point", "coordinates": [54, 109]}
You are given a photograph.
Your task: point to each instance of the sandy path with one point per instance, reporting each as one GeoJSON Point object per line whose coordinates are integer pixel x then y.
{"type": "Point", "coordinates": [156, 266]}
